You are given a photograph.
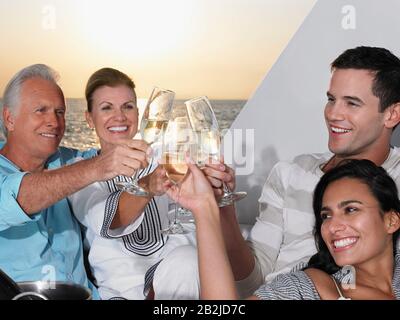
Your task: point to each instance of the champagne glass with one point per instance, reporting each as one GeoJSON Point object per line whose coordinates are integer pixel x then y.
{"type": "Point", "coordinates": [156, 115]}
{"type": "Point", "coordinates": [183, 123]}
{"type": "Point", "coordinates": [205, 124]}
{"type": "Point", "coordinates": [154, 120]}
{"type": "Point", "coordinates": [178, 141]}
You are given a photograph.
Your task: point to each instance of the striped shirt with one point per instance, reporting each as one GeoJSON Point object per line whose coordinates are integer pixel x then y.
{"type": "Point", "coordinates": [120, 258]}
{"type": "Point", "coordinates": [299, 286]}
{"type": "Point", "coordinates": [282, 237]}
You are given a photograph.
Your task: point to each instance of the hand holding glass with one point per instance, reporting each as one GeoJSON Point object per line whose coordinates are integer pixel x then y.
{"type": "Point", "coordinates": [205, 125]}
{"type": "Point", "coordinates": [178, 141]}
{"type": "Point", "coordinates": [154, 120]}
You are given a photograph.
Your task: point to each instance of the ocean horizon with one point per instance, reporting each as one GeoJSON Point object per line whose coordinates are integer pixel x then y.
{"type": "Point", "coordinates": [78, 135]}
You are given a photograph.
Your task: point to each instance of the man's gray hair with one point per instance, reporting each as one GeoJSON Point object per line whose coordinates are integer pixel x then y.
{"type": "Point", "coordinates": [12, 91]}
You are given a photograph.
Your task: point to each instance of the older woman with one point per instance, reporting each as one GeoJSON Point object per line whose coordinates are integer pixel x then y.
{"type": "Point", "coordinates": [356, 206]}
{"type": "Point", "coordinates": [123, 231]}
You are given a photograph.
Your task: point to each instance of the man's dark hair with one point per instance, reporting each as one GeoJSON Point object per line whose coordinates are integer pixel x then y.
{"type": "Point", "coordinates": [384, 64]}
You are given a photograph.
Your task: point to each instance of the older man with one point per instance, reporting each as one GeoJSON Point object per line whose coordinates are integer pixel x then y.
{"type": "Point", "coordinates": [39, 237]}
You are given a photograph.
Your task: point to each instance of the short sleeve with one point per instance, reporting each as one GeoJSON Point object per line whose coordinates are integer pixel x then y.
{"type": "Point", "coordinates": [266, 236]}
{"type": "Point", "coordinates": [110, 211]}
{"type": "Point", "coordinates": [11, 212]}
{"type": "Point", "coordinates": [289, 286]}
{"type": "Point", "coordinates": [95, 208]}
{"type": "Point", "coordinates": [69, 155]}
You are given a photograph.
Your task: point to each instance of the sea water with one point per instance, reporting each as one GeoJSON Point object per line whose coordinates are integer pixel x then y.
{"type": "Point", "coordinates": [78, 134]}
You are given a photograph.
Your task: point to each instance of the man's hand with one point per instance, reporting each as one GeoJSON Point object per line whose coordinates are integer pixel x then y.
{"type": "Point", "coordinates": [125, 158]}
{"type": "Point", "coordinates": [217, 173]}
{"type": "Point", "coordinates": [42, 189]}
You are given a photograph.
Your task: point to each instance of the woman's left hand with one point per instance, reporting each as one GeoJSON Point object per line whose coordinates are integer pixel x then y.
{"type": "Point", "coordinates": [195, 191]}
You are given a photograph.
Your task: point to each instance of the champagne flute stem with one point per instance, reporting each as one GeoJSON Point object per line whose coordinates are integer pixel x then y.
{"type": "Point", "coordinates": [176, 213]}
{"type": "Point", "coordinates": [226, 189]}
{"type": "Point", "coordinates": [136, 176]}
{"type": "Point", "coordinates": [177, 205]}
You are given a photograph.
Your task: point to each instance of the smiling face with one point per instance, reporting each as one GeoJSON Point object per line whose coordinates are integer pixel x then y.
{"type": "Point", "coordinates": [353, 228]}
{"type": "Point", "coordinates": [38, 124]}
{"type": "Point", "coordinates": [114, 114]}
{"type": "Point", "coordinates": [356, 127]}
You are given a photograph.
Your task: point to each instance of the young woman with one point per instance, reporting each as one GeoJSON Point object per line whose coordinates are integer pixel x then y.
{"type": "Point", "coordinates": [356, 206]}
{"type": "Point", "coordinates": [122, 231]}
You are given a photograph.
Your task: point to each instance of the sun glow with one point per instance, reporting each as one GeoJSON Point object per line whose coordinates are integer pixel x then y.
{"type": "Point", "coordinates": [136, 28]}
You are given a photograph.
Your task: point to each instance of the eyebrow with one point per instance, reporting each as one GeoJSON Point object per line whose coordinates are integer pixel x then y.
{"type": "Point", "coordinates": [45, 105]}
{"type": "Point", "coordinates": [353, 98]}
{"type": "Point", "coordinates": [129, 101]}
{"type": "Point", "coordinates": [342, 204]}
{"type": "Point", "coordinates": [105, 101]}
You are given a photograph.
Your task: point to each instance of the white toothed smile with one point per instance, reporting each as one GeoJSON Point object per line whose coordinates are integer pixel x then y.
{"type": "Point", "coordinates": [344, 243]}
{"type": "Point", "coordinates": [339, 130]}
{"type": "Point", "coordinates": [48, 135]}
{"type": "Point", "coordinates": [118, 129]}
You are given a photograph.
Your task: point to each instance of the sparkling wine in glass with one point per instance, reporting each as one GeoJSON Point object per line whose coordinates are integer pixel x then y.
{"type": "Point", "coordinates": [151, 129]}
{"type": "Point", "coordinates": [178, 141]}
{"type": "Point", "coordinates": [154, 121]}
{"type": "Point", "coordinates": [205, 125]}
{"type": "Point", "coordinates": [174, 164]}
{"type": "Point", "coordinates": [155, 118]}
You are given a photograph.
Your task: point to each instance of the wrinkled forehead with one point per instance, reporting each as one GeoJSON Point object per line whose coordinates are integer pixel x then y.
{"type": "Point", "coordinates": [40, 91]}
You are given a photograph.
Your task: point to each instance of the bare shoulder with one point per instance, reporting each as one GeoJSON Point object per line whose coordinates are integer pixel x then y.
{"type": "Point", "coordinates": [323, 283]}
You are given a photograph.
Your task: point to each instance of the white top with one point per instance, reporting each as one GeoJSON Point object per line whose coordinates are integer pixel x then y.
{"type": "Point", "coordinates": [119, 258]}
{"type": "Point", "coordinates": [282, 238]}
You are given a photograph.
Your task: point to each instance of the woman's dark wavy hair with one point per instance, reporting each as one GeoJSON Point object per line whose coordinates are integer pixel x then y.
{"type": "Point", "coordinates": [379, 183]}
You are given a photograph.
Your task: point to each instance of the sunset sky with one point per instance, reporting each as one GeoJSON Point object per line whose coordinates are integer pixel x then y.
{"type": "Point", "coordinates": [218, 48]}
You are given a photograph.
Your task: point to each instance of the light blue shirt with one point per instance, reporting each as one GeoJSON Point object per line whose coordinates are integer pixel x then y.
{"type": "Point", "coordinates": [44, 246]}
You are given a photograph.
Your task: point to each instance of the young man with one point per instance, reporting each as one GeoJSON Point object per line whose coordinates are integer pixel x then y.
{"type": "Point", "coordinates": [362, 110]}
{"type": "Point", "coordinates": [39, 237]}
